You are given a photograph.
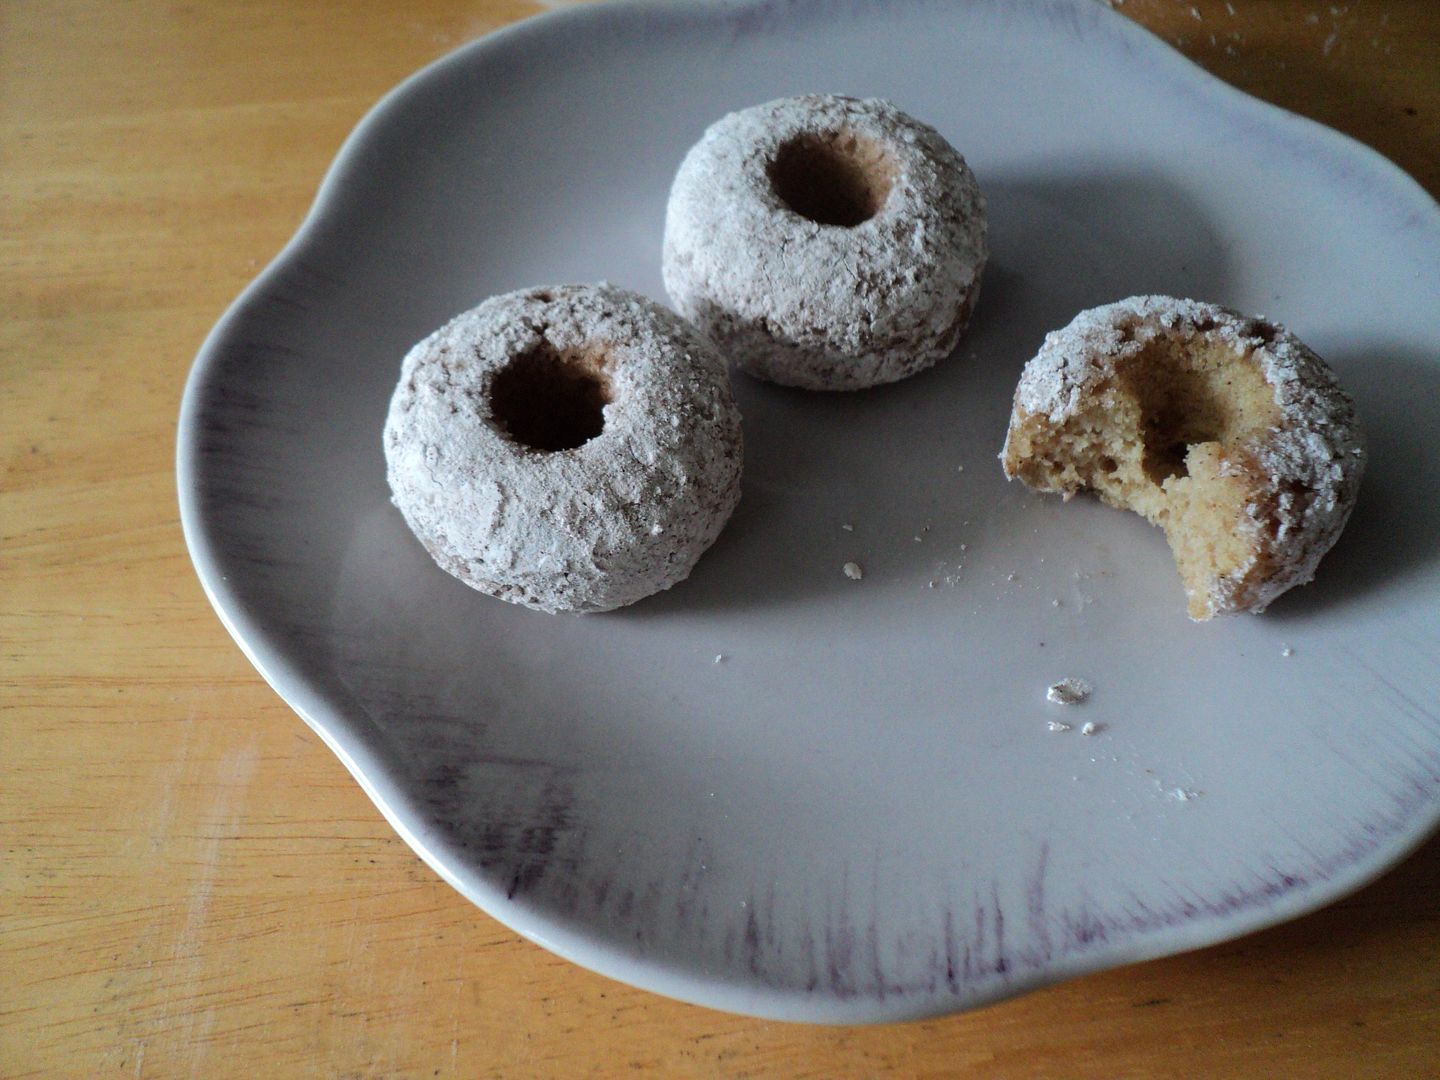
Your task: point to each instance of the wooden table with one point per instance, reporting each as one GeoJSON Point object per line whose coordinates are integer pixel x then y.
{"type": "Point", "coordinates": [191, 883]}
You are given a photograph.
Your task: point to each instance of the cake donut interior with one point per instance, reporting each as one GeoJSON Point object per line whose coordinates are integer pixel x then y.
{"type": "Point", "coordinates": [1226, 431]}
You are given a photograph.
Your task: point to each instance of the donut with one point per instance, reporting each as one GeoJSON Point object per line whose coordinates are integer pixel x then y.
{"type": "Point", "coordinates": [570, 449]}
{"type": "Point", "coordinates": [825, 242]}
{"type": "Point", "coordinates": [1225, 430]}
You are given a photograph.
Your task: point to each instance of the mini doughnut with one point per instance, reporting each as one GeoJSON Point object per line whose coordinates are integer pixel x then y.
{"type": "Point", "coordinates": [1226, 431]}
{"type": "Point", "coordinates": [569, 449]}
{"type": "Point", "coordinates": [825, 242]}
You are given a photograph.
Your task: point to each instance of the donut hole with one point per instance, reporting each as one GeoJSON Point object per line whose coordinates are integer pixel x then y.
{"type": "Point", "coordinates": [832, 178]}
{"type": "Point", "coordinates": [550, 399]}
{"type": "Point", "coordinates": [1166, 438]}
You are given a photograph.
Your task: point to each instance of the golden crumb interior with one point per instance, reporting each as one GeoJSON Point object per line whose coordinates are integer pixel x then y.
{"type": "Point", "coordinates": [1160, 438]}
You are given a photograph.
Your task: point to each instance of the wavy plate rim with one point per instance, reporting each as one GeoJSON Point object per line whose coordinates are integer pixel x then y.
{"type": "Point", "coordinates": [365, 761]}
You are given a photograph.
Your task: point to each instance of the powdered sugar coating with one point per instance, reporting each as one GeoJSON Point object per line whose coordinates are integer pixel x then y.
{"type": "Point", "coordinates": [1304, 473]}
{"type": "Point", "coordinates": [624, 515]}
{"type": "Point", "coordinates": [825, 307]}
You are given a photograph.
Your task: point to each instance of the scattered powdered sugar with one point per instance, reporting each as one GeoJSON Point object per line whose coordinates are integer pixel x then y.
{"type": "Point", "coordinates": [1287, 651]}
{"type": "Point", "coordinates": [1070, 691]}
{"type": "Point", "coordinates": [947, 574]}
{"type": "Point", "coordinates": [853, 571]}
{"type": "Point", "coordinates": [1087, 728]}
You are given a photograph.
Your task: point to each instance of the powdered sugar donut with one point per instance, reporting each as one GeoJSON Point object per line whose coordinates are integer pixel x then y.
{"type": "Point", "coordinates": [825, 242]}
{"type": "Point", "coordinates": [570, 449]}
{"type": "Point", "coordinates": [1226, 431]}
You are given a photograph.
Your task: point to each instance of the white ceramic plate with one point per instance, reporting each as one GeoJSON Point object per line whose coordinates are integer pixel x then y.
{"type": "Point", "coordinates": [860, 813]}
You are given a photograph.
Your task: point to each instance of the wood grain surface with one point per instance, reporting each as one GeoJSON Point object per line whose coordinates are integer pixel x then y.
{"type": "Point", "coordinates": [191, 883]}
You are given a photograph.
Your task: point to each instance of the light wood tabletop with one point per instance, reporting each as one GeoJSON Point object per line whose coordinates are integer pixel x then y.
{"type": "Point", "coordinates": [192, 885]}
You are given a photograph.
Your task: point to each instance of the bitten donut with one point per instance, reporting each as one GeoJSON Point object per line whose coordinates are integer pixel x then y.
{"type": "Point", "coordinates": [1226, 431]}
{"type": "Point", "coordinates": [825, 242]}
{"type": "Point", "coordinates": [569, 449]}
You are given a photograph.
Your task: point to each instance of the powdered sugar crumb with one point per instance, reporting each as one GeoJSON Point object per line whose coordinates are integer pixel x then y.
{"type": "Point", "coordinates": [853, 571]}
{"type": "Point", "coordinates": [1069, 691]}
